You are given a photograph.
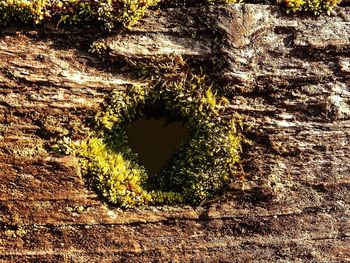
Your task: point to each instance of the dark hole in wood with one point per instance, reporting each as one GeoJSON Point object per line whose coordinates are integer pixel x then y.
{"type": "Point", "coordinates": [155, 140]}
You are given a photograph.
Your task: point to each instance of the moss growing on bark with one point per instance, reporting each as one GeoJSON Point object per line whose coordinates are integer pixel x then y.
{"type": "Point", "coordinates": [108, 13]}
{"type": "Point", "coordinates": [200, 168]}
{"type": "Point", "coordinates": [222, 2]}
{"type": "Point", "coordinates": [315, 7]}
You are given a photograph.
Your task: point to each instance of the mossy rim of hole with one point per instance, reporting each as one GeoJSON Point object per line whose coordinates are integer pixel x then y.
{"type": "Point", "coordinates": [198, 171]}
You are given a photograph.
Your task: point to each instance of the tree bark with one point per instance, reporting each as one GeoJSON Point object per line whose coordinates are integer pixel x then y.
{"type": "Point", "coordinates": [288, 77]}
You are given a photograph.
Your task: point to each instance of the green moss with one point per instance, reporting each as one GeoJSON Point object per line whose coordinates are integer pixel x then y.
{"type": "Point", "coordinates": [222, 2]}
{"type": "Point", "coordinates": [29, 151]}
{"type": "Point", "coordinates": [100, 49]}
{"type": "Point", "coordinates": [16, 231]}
{"type": "Point", "coordinates": [315, 7]}
{"type": "Point", "coordinates": [200, 168]}
{"type": "Point", "coordinates": [61, 145]}
{"type": "Point", "coordinates": [108, 13]}
{"type": "Point", "coordinates": [115, 176]}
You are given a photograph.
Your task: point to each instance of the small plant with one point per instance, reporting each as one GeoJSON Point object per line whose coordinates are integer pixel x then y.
{"type": "Point", "coordinates": [201, 167]}
{"type": "Point", "coordinates": [99, 48]}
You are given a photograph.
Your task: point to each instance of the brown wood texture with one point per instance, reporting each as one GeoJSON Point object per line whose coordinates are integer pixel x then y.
{"type": "Point", "coordinates": [288, 78]}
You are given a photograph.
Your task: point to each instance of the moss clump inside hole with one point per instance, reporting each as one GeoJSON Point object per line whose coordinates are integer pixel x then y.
{"type": "Point", "coordinates": [199, 169]}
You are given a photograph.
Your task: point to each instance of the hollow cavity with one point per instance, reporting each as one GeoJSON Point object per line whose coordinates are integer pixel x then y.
{"type": "Point", "coordinates": [155, 140]}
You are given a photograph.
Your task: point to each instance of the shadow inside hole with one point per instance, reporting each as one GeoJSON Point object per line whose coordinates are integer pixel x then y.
{"type": "Point", "coordinates": [155, 140]}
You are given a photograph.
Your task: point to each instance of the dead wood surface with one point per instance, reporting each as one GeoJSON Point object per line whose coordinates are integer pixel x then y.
{"type": "Point", "coordinates": [287, 76]}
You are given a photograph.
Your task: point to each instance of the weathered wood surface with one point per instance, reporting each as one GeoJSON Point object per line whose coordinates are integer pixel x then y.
{"type": "Point", "coordinates": [289, 78]}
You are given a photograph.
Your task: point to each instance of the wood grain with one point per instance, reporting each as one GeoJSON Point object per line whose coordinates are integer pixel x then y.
{"type": "Point", "coordinates": [288, 77]}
